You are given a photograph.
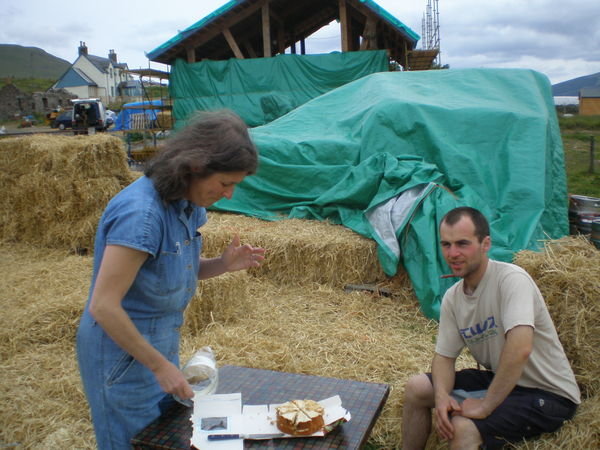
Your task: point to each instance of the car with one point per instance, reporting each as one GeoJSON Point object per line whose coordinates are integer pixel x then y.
{"type": "Point", "coordinates": [89, 114]}
{"type": "Point", "coordinates": [111, 117]}
{"type": "Point", "coordinates": [63, 121]}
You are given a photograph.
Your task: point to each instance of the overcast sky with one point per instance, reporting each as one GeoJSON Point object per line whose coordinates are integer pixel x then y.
{"type": "Point", "coordinates": [556, 37]}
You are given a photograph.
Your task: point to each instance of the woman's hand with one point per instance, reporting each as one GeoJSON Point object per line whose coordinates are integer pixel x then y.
{"type": "Point", "coordinates": [240, 257]}
{"type": "Point", "coordinates": [172, 381]}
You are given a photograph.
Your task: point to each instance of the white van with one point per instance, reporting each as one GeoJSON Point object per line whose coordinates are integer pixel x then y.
{"type": "Point", "coordinates": [89, 115]}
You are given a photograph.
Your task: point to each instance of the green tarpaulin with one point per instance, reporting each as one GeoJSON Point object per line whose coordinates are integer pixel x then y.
{"type": "Point", "coordinates": [389, 154]}
{"type": "Point", "coordinates": [263, 89]}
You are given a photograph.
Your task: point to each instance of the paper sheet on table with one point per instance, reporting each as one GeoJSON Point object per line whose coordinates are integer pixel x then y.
{"type": "Point", "coordinates": [227, 406]}
{"type": "Point", "coordinates": [250, 419]}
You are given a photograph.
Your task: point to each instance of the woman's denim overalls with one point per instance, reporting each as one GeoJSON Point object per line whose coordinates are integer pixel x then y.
{"type": "Point", "coordinates": [123, 395]}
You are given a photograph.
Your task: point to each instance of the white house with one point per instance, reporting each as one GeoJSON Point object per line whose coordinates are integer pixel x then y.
{"type": "Point", "coordinates": [97, 77]}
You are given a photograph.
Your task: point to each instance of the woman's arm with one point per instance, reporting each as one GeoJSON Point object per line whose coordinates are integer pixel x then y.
{"type": "Point", "coordinates": [118, 269]}
{"type": "Point", "coordinates": [235, 257]}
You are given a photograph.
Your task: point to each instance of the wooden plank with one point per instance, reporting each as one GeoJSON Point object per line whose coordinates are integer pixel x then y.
{"type": "Point", "coordinates": [369, 35]}
{"type": "Point", "coordinates": [266, 31]}
{"type": "Point", "coordinates": [344, 25]}
{"type": "Point", "coordinates": [249, 50]}
{"type": "Point", "coordinates": [190, 55]}
{"type": "Point", "coordinates": [236, 15]}
{"type": "Point", "coordinates": [232, 44]}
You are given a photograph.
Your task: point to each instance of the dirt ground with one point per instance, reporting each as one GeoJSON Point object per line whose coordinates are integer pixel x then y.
{"type": "Point", "coordinates": [13, 128]}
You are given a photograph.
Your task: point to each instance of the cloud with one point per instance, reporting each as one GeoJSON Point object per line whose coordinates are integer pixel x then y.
{"type": "Point", "coordinates": [553, 36]}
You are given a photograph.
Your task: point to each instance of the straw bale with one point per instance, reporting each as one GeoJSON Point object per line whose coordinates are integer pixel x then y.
{"type": "Point", "coordinates": [568, 275]}
{"type": "Point", "coordinates": [220, 299]}
{"type": "Point", "coordinates": [256, 321]}
{"type": "Point", "coordinates": [164, 119]}
{"type": "Point", "coordinates": [299, 251]}
{"type": "Point", "coordinates": [80, 157]}
{"type": "Point", "coordinates": [42, 295]}
{"type": "Point", "coordinates": [56, 187]}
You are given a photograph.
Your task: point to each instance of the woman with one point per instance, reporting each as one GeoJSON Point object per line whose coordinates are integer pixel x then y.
{"type": "Point", "coordinates": [146, 266]}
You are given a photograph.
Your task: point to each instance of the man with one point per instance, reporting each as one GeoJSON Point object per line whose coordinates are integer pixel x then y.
{"type": "Point", "coordinates": [498, 313]}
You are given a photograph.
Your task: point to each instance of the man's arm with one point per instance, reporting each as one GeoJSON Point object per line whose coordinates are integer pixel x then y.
{"type": "Point", "coordinates": [515, 354]}
{"type": "Point", "coordinates": [443, 374]}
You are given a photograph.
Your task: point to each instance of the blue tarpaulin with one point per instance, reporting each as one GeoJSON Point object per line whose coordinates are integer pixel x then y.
{"type": "Point", "coordinates": [125, 118]}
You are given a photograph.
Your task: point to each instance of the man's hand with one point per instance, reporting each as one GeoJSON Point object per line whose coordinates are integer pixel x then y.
{"type": "Point", "coordinates": [474, 408]}
{"type": "Point", "coordinates": [444, 408]}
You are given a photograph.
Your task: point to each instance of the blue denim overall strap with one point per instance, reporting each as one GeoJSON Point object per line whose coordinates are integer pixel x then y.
{"type": "Point", "coordinates": [123, 395]}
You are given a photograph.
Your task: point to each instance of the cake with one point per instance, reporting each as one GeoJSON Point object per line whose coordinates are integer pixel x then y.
{"type": "Point", "coordinates": [300, 417]}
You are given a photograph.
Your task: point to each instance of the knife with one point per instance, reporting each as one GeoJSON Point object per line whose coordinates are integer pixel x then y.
{"type": "Point", "coordinates": [221, 437]}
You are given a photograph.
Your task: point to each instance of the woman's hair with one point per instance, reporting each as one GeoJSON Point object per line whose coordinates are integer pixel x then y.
{"type": "Point", "coordinates": [216, 141]}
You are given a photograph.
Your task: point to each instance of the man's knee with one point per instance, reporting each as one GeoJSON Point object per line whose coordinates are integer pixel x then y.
{"type": "Point", "coordinates": [418, 390]}
{"type": "Point", "coordinates": [466, 433]}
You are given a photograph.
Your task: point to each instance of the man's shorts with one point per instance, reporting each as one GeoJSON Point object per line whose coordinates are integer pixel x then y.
{"type": "Point", "coordinates": [524, 414]}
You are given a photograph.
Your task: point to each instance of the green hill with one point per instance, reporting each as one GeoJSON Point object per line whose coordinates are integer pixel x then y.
{"type": "Point", "coordinates": [30, 62]}
{"type": "Point", "coordinates": [570, 88]}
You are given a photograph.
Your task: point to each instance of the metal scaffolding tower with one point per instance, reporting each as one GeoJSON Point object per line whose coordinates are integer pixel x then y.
{"type": "Point", "coordinates": [431, 29]}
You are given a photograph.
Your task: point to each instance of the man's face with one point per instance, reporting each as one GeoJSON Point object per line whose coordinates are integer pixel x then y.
{"type": "Point", "coordinates": [206, 191]}
{"type": "Point", "coordinates": [465, 255]}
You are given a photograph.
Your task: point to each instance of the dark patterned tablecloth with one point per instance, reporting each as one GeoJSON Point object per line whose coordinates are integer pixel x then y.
{"type": "Point", "coordinates": [173, 430]}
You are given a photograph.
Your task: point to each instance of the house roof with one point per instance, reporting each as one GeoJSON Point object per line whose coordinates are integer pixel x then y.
{"type": "Point", "coordinates": [290, 22]}
{"type": "Point", "coordinates": [74, 77]}
{"type": "Point", "coordinates": [589, 92]}
{"type": "Point", "coordinates": [102, 64]}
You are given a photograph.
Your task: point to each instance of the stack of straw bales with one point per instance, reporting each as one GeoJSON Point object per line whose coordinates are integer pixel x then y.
{"type": "Point", "coordinates": [54, 187]}
{"type": "Point", "coordinates": [568, 277]}
{"type": "Point", "coordinates": [291, 314]}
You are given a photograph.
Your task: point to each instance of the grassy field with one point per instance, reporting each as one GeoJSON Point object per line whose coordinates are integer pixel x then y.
{"type": "Point", "coordinates": [577, 133]}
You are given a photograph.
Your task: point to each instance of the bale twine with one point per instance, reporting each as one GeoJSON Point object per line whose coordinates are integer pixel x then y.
{"type": "Point", "coordinates": [56, 187]}
{"type": "Point", "coordinates": [568, 275]}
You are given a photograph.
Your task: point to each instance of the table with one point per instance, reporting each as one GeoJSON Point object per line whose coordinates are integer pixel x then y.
{"type": "Point", "coordinates": [364, 400]}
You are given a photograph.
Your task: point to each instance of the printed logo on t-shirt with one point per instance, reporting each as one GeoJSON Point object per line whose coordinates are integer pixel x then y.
{"type": "Point", "coordinates": [480, 332]}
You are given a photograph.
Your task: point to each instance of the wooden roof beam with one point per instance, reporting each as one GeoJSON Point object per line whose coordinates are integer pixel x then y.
{"type": "Point", "coordinates": [232, 43]}
{"type": "Point", "coordinates": [344, 26]}
{"type": "Point", "coordinates": [266, 31]}
{"type": "Point", "coordinates": [233, 18]}
{"type": "Point", "coordinates": [314, 23]}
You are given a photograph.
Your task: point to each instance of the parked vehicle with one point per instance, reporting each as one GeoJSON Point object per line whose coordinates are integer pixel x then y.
{"type": "Point", "coordinates": [63, 121]}
{"type": "Point", "coordinates": [111, 116]}
{"type": "Point", "coordinates": [88, 113]}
